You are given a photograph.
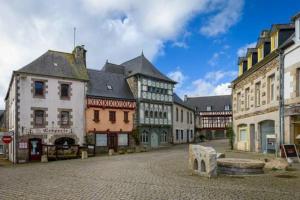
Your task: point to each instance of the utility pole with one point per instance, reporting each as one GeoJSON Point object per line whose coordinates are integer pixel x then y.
{"type": "Point", "coordinates": [281, 99]}
{"type": "Point", "coordinates": [74, 38]}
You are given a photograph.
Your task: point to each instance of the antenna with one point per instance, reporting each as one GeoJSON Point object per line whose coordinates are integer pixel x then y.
{"type": "Point", "coordinates": [74, 37]}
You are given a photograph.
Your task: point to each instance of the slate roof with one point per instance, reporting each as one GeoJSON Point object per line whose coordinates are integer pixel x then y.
{"type": "Point", "coordinates": [113, 68]}
{"type": "Point", "coordinates": [141, 65]}
{"type": "Point", "coordinates": [57, 64]}
{"type": "Point", "coordinates": [179, 101]}
{"type": "Point", "coordinates": [218, 103]}
{"type": "Point", "coordinates": [99, 79]}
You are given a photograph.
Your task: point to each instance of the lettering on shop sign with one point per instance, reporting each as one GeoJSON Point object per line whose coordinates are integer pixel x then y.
{"type": "Point", "coordinates": [108, 103]}
{"type": "Point", "coordinates": [23, 145]}
{"type": "Point", "coordinates": [50, 131]}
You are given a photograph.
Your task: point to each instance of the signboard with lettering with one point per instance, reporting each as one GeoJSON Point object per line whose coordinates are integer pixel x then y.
{"type": "Point", "coordinates": [23, 145]}
{"type": "Point", "coordinates": [290, 151]}
{"type": "Point", "coordinates": [50, 131]}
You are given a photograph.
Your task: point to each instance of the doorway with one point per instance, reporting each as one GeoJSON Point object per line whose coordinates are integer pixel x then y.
{"type": "Point", "coordinates": [35, 149]}
{"type": "Point", "coordinates": [112, 141]}
{"type": "Point", "coordinates": [154, 140]}
{"type": "Point", "coordinates": [252, 137]}
{"type": "Point", "coordinates": [267, 128]}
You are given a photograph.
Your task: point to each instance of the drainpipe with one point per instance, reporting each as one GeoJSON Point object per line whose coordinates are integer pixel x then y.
{"type": "Point", "coordinates": [281, 99]}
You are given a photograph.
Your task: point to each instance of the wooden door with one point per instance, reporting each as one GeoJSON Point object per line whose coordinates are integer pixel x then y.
{"type": "Point", "coordinates": [112, 141]}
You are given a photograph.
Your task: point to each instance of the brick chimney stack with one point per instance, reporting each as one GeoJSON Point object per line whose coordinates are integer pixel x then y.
{"type": "Point", "coordinates": [80, 55]}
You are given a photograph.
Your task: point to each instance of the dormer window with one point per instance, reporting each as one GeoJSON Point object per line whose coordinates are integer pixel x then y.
{"type": "Point", "coordinates": [260, 50]}
{"type": "Point", "coordinates": [227, 108]}
{"type": "Point", "coordinates": [109, 87]}
{"type": "Point", "coordinates": [208, 108]}
{"type": "Point", "coordinates": [274, 41]}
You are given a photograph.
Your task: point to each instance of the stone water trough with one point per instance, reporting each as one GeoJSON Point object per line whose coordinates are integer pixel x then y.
{"type": "Point", "coordinates": [237, 166]}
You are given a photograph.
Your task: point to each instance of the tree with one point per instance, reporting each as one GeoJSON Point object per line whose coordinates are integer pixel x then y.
{"type": "Point", "coordinates": [230, 135]}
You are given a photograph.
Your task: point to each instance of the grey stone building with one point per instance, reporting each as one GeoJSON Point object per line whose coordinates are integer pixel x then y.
{"type": "Point", "coordinates": [153, 92]}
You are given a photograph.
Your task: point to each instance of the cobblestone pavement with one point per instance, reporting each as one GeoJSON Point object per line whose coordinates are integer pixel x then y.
{"type": "Point", "coordinates": [160, 174]}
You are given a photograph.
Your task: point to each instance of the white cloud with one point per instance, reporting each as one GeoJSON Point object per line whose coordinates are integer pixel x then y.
{"type": "Point", "coordinates": [229, 15]}
{"type": "Point", "coordinates": [212, 83]}
{"type": "Point", "coordinates": [177, 76]}
{"type": "Point", "coordinates": [243, 50]}
{"type": "Point", "coordinates": [110, 29]}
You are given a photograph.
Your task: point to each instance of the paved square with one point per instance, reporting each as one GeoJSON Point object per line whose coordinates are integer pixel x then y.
{"type": "Point", "coordinates": [160, 174]}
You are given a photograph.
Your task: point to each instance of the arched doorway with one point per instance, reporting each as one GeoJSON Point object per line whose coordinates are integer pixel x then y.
{"type": "Point", "coordinates": [154, 140]}
{"type": "Point", "coordinates": [195, 165]}
{"type": "Point", "coordinates": [64, 141]}
{"type": "Point", "coordinates": [267, 127]}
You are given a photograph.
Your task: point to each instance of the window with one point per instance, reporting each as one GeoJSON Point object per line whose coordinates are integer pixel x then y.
{"type": "Point", "coordinates": [96, 116]}
{"type": "Point", "coordinates": [146, 113]}
{"type": "Point", "coordinates": [126, 116]}
{"type": "Point", "coordinates": [64, 90]}
{"type": "Point", "coordinates": [151, 114]}
{"type": "Point", "coordinates": [208, 108]}
{"type": "Point", "coordinates": [187, 117]}
{"type": "Point", "coordinates": [160, 115]}
{"type": "Point", "coordinates": [122, 139]}
{"type": "Point", "coordinates": [144, 137]}
{"type": "Point", "coordinates": [155, 114]}
{"type": "Point", "coordinates": [65, 118]}
{"type": "Point", "coordinates": [238, 102]}
{"type": "Point", "coordinates": [109, 87]}
{"type": "Point", "coordinates": [181, 134]}
{"type": "Point", "coordinates": [243, 135]}
{"type": "Point", "coordinates": [257, 94]}
{"type": "Point", "coordinates": [181, 115]}
{"type": "Point", "coordinates": [176, 114]}
{"type": "Point", "coordinates": [227, 108]}
{"type": "Point", "coordinates": [39, 88]}
{"type": "Point", "coordinates": [165, 115]}
{"type": "Point", "coordinates": [191, 118]}
{"type": "Point", "coordinates": [112, 116]}
{"type": "Point", "coordinates": [192, 134]}
{"type": "Point", "coordinates": [177, 134]}
{"type": "Point", "coordinates": [163, 138]}
{"type": "Point", "coordinates": [271, 88]}
{"type": "Point", "coordinates": [101, 140]}
{"type": "Point", "coordinates": [39, 118]}
{"type": "Point", "coordinates": [247, 98]}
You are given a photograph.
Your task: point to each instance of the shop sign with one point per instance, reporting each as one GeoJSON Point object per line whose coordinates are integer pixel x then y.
{"type": "Point", "coordinates": [53, 131]}
{"type": "Point", "coordinates": [6, 139]}
{"type": "Point", "coordinates": [290, 151]}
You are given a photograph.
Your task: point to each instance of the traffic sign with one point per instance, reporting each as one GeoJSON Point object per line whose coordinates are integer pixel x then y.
{"type": "Point", "coordinates": [6, 139]}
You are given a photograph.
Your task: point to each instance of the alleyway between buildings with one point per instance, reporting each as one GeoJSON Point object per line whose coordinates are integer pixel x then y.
{"type": "Point", "coordinates": [160, 174]}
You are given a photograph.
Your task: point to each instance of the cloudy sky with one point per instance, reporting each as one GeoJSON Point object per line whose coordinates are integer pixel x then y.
{"type": "Point", "coordinates": [196, 42]}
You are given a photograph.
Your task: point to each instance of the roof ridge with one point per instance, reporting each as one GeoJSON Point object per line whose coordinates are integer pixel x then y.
{"type": "Point", "coordinates": [50, 50]}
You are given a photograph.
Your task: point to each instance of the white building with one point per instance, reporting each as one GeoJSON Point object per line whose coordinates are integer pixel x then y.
{"type": "Point", "coordinates": [183, 122]}
{"type": "Point", "coordinates": [291, 57]}
{"type": "Point", "coordinates": [45, 104]}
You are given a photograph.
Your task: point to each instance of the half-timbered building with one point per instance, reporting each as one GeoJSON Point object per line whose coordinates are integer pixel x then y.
{"type": "Point", "coordinates": [212, 115]}
{"type": "Point", "coordinates": [110, 110]}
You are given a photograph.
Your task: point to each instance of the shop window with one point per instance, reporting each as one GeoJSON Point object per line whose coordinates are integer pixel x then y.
{"type": "Point", "coordinates": [163, 138]}
{"type": "Point", "coordinates": [65, 118]}
{"type": "Point", "coordinates": [112, 116]}
{"type": "Point", "coordinates": [39, 87]}
{"type": "Point", "coordinates": [96, 116]}
{"type": "Point", "coordinates": [101, 140]}
{"type": "Point", "coordinates": [126, 119]}
{"type": "Point", "coordinates": [144, 137]}
{"type": "Point", "coordinates": [122, 139]}
{"type": "Point", "coordinates": [39, 118]}
{"type": "Point", "coordinates": [65, 90]}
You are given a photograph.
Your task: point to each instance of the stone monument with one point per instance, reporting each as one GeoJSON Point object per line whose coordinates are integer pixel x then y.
{"type": "Point", "coordinates": [203, 160]}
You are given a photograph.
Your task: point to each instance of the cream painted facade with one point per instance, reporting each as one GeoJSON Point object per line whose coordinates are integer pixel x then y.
{"type": "Point", "coordinates": [292, 88]}
{"type": "Point", "coordinates": [255, 105]}
{"type": "Point", "coordinates": [183, 125]}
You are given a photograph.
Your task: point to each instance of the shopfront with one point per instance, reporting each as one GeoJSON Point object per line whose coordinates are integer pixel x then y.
{"type": "Point", "coordinates": [111, 140]}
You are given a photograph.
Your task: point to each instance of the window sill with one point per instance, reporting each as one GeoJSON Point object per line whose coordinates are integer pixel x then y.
{"type": "Point", "coordinates": [39, 96]}
{"type": "Point", "coordinates": [65, 98]}
{"type": "Point", "coordinates": [96, 121]}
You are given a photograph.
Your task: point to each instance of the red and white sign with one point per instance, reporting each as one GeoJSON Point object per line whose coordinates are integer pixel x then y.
{"type": "Point", "coordinates": [6, 139]}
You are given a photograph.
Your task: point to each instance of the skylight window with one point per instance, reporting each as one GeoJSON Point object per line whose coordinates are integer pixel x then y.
{"type": "Point", "coordinates": [109, 87]}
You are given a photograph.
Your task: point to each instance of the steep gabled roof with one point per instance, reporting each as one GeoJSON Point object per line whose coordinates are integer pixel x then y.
{"type": "Point", "coordinates": [113, 68]}
{"type": "Point", "coordinates": [217, 103]}
{"type": "Point", "coordinates": [57, 64]}
{"type": "Point", "coordinates": [179, 101]}
{"type": "Point", "coordinates": [108, 85]}
{"type": "Point", "coordinates": [141, 65]}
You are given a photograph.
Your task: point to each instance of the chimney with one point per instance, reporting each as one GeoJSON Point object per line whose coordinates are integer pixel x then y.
{"type": "Point", "coordinates": [185, 97]}
{"type": "Point", "coordinates": [296, 20]}
{"type": "Point", "coordinates": [80, 55]}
